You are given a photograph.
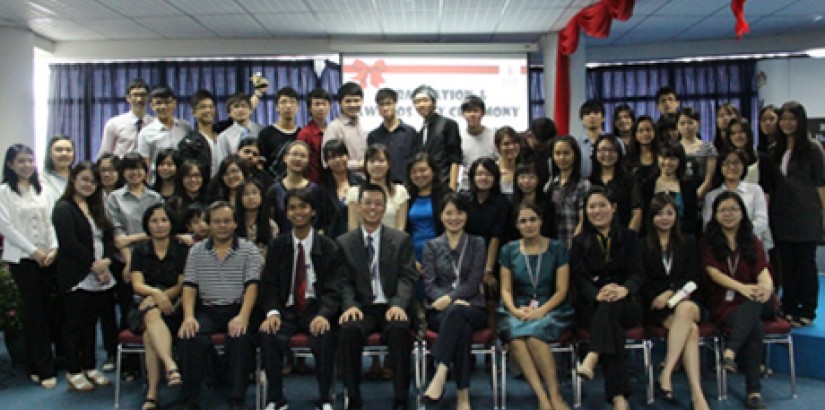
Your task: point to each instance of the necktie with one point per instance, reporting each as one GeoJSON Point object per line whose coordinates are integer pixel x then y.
{"type": "Point", "coordinates": [139, 124]}
{"type": "Point", "coordinates": [300, 286]}
{"type": "Point", "coordinates": [372, 264]}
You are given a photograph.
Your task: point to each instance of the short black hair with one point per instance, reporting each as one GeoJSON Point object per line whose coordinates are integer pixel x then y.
{"type": "Point", "coordinates": [385, 93]}
{"type": "Point", "coordinates": [334, 148]}
{"type": "Point", "coordinates": [133, 160]}
{"type": "Point", "coordinates": [148, 215]}
{"type": "Point", "coordinates": [214, 206]}
{"type": "Point", "coordinates": [591, 106]}
{"type": "Point", "coordinates": [665, 90]}
{"type": "Point", "coordinates": [473, 101]}
{"type": "Point", "coordinates": [370, 187]}
{"type": "Point", "coordinates": [286, 92]}
{"type": "Point", "coordinates": [194, 210]}
{"type": "Point", "coordinates": [199, 96]}
{"type": "Point", "coordinates": [459, 201]}
{"type": "Point", "coordinates": [318, 94]}
{"type": "Point", "coordinates": [350, 89]}
{"type": "Point", "coordinates": [302, 194]}
{"type": "Point", "coordinates": [236, 98]}
{"type": "Point", "coordinates": [136, 83]}
{"type": "Point", "coordinates": [162, 91]}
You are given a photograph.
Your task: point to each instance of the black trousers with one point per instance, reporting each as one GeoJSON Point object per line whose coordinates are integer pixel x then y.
{"type": "Point", "coordinates": [800, 285]}
{"type": "Point", "coordinates": [83, 309]}
{"type": "Point", "coordinates": [274, 347]}
{"type": "Point", "coordinates": [35, 285]}
{"type": "Point", "coordinates": [746, 334]}
{"type": "Point", "coordinates": [606, 323]}
{"type": "Point", "coordinates": [395, 334]}
{"type": "Point", "coordinates": [455, 326]}
{"type": "Point", "coordinates": [112, 323]}
{"type": "Point", "coordinates": [192, 353]}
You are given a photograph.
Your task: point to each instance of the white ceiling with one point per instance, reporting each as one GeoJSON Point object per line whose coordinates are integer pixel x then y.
{"type": "Point", "coordinates": [441, 21]}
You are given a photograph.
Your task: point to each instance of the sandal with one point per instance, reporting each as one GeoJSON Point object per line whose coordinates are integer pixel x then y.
{"type": "Point", "coordinates": [584, 372]}
{"type": "Point", "coordinates": [96, 377]}
{"type": "Point", "coordinates": [173, 378]}
{"type": "Point", "coordinates": [149, 404]}
{"type": "Point", "coordinates": [79, 382]}
{"type": "Point", "coordinates": [729, 364]}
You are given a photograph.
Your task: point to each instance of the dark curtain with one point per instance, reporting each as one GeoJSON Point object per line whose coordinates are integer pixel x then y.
{"type": "Point", "coordinates": [700, 85]}
{"type": "Point", "coordinates": [84, 96]}
{"type": "Point", "coordinates": [536, 94]}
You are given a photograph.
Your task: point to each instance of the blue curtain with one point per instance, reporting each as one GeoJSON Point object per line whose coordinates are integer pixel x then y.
{"type": "Point", "coordinates": [700, 85]}
{"type": "Point", "coordinates": [84, 96]}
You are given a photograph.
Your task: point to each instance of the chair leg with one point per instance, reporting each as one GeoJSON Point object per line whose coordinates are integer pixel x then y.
{"type": "Point", "coordinates": [792, 365]}
{"type": "Point", "coordinates": [503, 377]}
{"type": "Point", "coordinates": [717, 364]}
{"type": "Point", "coordinates": [117, 374]}
{"type": "Point", "coordinates": [573, 376]}
{"type": "Point", "coordinates": [648, 347]}
{"type": "Point", "coordinates": [494, 375]}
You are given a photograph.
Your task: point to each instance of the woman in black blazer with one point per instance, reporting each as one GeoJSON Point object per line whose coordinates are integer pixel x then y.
{"type": "Point", "coordinates": [84, 234]}
{"type": "Point", "coordinates": [671, 179]}
{"type": "Point", "coordinates": [453, 266]}
{"type": "Point", "coordinates": [670, 262]}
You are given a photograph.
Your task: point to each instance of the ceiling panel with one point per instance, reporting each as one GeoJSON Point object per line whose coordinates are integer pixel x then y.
{"type": "Point", "coordinates": [327, 6]}
{"type": "Point", "coordinates": [290, 23]}
{"type": "Point", "coordinates": [408, 4]}
{"type": "Point", "coordinates": [709, 27]}
{"type": "Point", "coordinates": [351, 22]}
{"type": "Point", "coordinates": [120, 29]}
{"type": "Point", "coordinates": [521, 20]}
{"type": "Point", "coordinates": [472, 20]}
{"type": "Point", "coordinates": [776, 25]}
{"type": "Point", "coordinates": [176, 27]}
{"type": "Point", "coordinates": [409, 22]}
{"type": "Point", "coordinates": [657, 29]}
{"type": "Point", "coordinates": [142, 8]}
{"type": "Point", "coordinates": [681, 8]}
{"type": "Point", "coordinates": [272, 7]}
{"type": "Point", "coordinates": [65, 30]}
{"type": "Point", "coordinates": [233, 25]}
{"type": "Point", "coordinates": [198, 7]}
{"type": "Point", "coordinates": [802, 8]}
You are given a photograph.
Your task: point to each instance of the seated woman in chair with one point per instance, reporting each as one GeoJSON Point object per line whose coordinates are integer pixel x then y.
{"type": "Point", "coordinates": [157, 279]}
{"type": "Point", "coordinates": [741, 295]}
{"type": "Point", "coordinates": [670, 262]}
{"type": "Point", "coordinates": [534, 311]}
{"type": "Point", "coordinates": [606, 265]}
{"type": "Point", "coordinates": [453, 266]}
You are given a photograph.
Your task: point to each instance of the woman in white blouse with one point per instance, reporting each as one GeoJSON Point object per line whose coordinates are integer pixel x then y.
{"type": "Point", "coordinates": [377, 165]}
{"type": "Point", "coordinates": [60, 156]}
{"type": "Point", "coordinates": [29, 247]}
{"type": "Point", "coordinates": [733, 167]}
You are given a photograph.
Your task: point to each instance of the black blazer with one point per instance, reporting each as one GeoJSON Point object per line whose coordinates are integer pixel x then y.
{"type": "Point", "coordinates": [685, 268]}
{"type": "Point", "coordinates": [396, 265]}
{"type": "Point", "coordinates": [439, 275]}
{"type": "Point", "coordinates": [75, 254]}
{"type": "Point", "coordinates": [276, 279]}
{"type": "Point", "coordinates": [690, 202]}
{"type": "Point", "coordinates": [443, 144]}
{"type": "Point", "coordinates": [625, 267]}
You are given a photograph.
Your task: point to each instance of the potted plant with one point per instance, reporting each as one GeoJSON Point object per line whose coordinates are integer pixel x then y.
{"type": "Point", "coordinates": [11, 317]}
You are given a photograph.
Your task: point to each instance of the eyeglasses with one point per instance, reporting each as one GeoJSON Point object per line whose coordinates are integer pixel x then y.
{"type": "Point", "coordinates": [528, 220]}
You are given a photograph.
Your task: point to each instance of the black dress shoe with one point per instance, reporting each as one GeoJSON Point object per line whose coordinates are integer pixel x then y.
{"type": "Point", "coordinates": [754, 403]}
{"type": "Point", "coordinates": [667, 395]}
{"type": "Point", "coordinates": [355, 403]}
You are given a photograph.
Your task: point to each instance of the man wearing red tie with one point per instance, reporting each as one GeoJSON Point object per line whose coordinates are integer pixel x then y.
{"type": "Point", "coordinates": [298, 292]}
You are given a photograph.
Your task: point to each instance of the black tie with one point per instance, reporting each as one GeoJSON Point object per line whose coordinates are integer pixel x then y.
{"type": "Point", "coordinates": [139, 124]}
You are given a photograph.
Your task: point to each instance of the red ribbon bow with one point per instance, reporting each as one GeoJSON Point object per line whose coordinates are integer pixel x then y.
{"type": "Point", "coordinates": [364, 71]}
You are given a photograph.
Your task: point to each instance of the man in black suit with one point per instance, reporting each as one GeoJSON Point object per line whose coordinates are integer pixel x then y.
{"type": "Point", "coordinates": [439, 136]}
{"type": "Point", "coordinates": [376, 288]}
{"type": "Point", "coordinates": [298, 292]}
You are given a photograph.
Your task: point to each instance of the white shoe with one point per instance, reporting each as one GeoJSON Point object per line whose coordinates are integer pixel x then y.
{"type": "Point", "coordinates": [49, 383]}
{"type": "Point", "coordinates": [326, 406]}
{"type": "Point", "coordinates": [79, 382]}
{"type": "Point", "coordinates": [96, 377]}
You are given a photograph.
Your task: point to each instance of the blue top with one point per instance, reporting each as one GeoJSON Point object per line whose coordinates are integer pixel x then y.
{"type": "Point", "coordinates": [422, 223]}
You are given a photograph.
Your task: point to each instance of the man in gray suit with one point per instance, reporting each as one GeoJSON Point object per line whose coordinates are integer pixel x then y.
{"type": "Point", "coordinates": [376, 288]}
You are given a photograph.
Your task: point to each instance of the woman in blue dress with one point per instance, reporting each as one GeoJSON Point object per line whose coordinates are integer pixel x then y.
{"type": "Point", "coordinates": [535, 277]}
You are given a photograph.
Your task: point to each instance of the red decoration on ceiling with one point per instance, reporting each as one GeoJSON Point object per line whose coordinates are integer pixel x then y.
{"type": "Point", "coordinates": [738, 9]}
{"type": "Point", "coordinates": [595, 20]}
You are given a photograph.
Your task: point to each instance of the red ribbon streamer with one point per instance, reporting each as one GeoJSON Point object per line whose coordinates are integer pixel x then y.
{"type": "Point", "coordinates": [364, 71]}
{"type": "Point", "coordinates": [595, 20]}
{"type": "Point", "coordinates": [738, 9]}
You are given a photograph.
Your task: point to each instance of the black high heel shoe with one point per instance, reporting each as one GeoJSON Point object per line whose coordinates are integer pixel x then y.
{"type": "Point", "coordinates": [667, 395]}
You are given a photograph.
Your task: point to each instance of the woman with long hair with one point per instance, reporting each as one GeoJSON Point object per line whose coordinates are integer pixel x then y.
{"type": "Point", "coordinates": [251, 217]}
{"type": "Point", "coordinates": [296, 163]}
{"type": "Point", "coordinates": [30, 248]}
{"type": "Point", "coordinates": [336, 180]}
{"type": "Point", "coordinates": [453, 265]}
{"type": "Point", "coordinates": [567, 187]}
{"type": "Point", "coordinates": [543, 130]}
{"type": "Point", "coordinates": [157, 280]}
{"type": "Point", "coordinates": [190, 187]}
{"type": "Point", "coordinates": [109, 167]}
{"type": "Point", "coordinates": [606, 266]}
{"type": "Point", "coordinates": [527, 190]}
{"type": "Point", "coordinates": [535, 278]}
{"type": "Point", "coordinates": [671, 178]}
{"type": "Point", "coordinates": [609, 171]}
{"type": "Point", "coordinates": [377, 164]}
{"type": "Point", "coordinates": [796, 213]}
{"type": "Point", "coordinates": [700, 156]}
{"type": "Point", "coordinates": [60, 156]}
{"type": "Point", "coordinates": [623, 120]}
{"type": "Point", "coordinates": [509, 147]}
{"type": "Point", "coordinates": [725, 112]}
{"type": "Point", "coordinates": [760, 169]}
{"type": "Point", "coordinates": [231, 174]}
{"type": "Point", "coordinates": [642, 159]}
{"type": "Point", "coordinates": [167, 164]}
{"type": "Point", "coordinates": [84, 234]}
{"type": "Point", "coordinates": [670, 262]}
{"type": "Point", "coordinates": [426, 191]}
{"type": "Point", "coordinates": [741, 290]}
{"type": "Point", "coordinates": [768, 127]}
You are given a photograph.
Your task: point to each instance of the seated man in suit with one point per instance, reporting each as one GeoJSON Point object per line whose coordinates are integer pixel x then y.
{"type": "Point", "coordinates": [298, 293]}
{"type": "Point", "coordinates": [220, 286]}
{"type": "Point", "coordinates": [376, 288]}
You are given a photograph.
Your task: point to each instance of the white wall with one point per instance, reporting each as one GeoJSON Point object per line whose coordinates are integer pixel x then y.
{"type": "Point", "coordinates": [799, 79]}
{"type": "Point", "coordinates": [16, 83]}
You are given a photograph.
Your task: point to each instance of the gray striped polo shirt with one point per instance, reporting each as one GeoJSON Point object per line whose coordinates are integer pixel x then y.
{"type": "Point", "coordinates": [222, 282]}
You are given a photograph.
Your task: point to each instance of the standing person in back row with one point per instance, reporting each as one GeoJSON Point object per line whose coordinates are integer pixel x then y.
{"type": "Point", "coordinates": [319, 103]}
{"type": "Point", "coordinates": [120, 134]}
{"type": "Point", "coordinates": [439, 136]}
{"type": "Point", "coordinates": [166, 131]}
{"type": "Point", "coordinates": [273, 140]}
{"type": "Point", "coordinates": [476, 140]}
{"type": "Point", "coordinates": [397, 136]}
{"type": "Point", "coordinates": [347, 128]}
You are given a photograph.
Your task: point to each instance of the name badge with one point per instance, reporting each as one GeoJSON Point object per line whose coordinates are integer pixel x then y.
{"type": "Point", "coordinates": [729, 296]}
{"type": "Point", "coordinates": [534, 303]}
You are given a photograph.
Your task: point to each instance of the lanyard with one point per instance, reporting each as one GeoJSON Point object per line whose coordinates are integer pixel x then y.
{"type": "Point", "coordinates": [732, 267]}
{"type": "Point", "coordinates": [534, 278]}
{"type": "Point", "coordinates": [457, 266]}
{"type": "Point", "coordinates": [667, 261]}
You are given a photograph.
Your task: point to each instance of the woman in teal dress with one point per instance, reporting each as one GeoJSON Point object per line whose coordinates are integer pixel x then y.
{"type": "Point", "coordinates": [534, 308]}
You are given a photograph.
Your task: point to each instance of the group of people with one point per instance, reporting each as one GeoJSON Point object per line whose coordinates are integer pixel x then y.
{"type": "Point", "coordinates": [265, 232]}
